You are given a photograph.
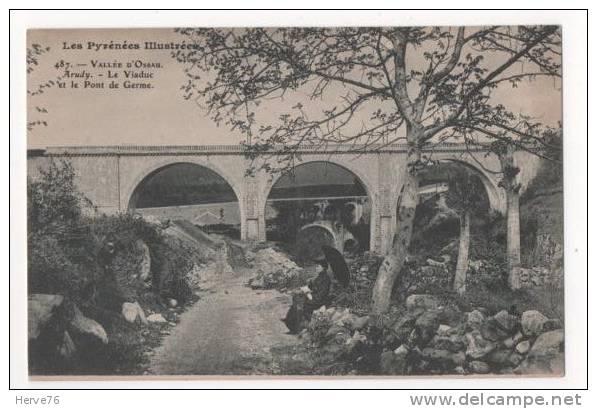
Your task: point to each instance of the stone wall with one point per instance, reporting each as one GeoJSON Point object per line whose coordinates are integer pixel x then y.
{"type": "Point", "coordinates": [540, 277]}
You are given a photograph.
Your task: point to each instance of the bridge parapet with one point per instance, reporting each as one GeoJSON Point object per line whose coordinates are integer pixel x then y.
{"type": "Point", "coordinates": [243, 150]}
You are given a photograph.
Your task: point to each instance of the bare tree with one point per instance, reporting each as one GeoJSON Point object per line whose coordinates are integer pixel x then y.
{"type": "Point", "coordinates": [370, 87]}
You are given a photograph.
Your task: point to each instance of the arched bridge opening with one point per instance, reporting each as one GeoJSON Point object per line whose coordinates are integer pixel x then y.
{"type": "Point", "coordinates": [448, 190]}
{"type": "Point", "coordinates": [190, 195]}
{"type": "Point", "coordinates": [317, 203]}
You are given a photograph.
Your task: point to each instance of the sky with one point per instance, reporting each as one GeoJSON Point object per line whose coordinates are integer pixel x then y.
{"type": "Point", "coordinates": [161, 116]}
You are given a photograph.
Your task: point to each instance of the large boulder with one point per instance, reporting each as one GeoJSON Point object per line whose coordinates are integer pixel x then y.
{"type": "Point", "coordinates": [493, 331]}
{"type": "Point", "coordinates": [67, 348]}
{"type": "Point", "coordinates": [459, 358]}
{"type": "Point", "coordinates": [338, 333]}
{"type": "Point", "coordinates": [546, 355]}
{"type": "Point", "coordinates": [42, 310]}
{"type": "Point", "coordinates": [87, 328]}
{"type": "Point", "coordinates": [552, 324]}
{"type": "Point", "coordinates": [157, 319]}
{"type": "Point", "coordinates": [506, 321]}
{"type": "Point", "coordinates": [426, 326]}
{"type": "Point", "coordinates": [49, 345]}
{"type": "Point", "coordinates": [397, 332]}
{"type": "Point", "coordinates": [477, 346]}
{"type": "Point", "coordinates": [532, 322]}
{"type": "Point", "coordinates": [450, 315]}
{"type": "Point", "coordinates": [548, 342]}
{"type": "Point", "coordinates": [475, 320]}
{"type": "Point", "coordinates": [499, 357]}
{"type": "Point", "coordinates": [133, 313]}
{"type": "Point", "coordinates": [510, 342]}
{"type": "Point", "coordinates": [153, 220]}
{"type": "Point", "coordinates": [417, 304]}
{"type": "Point", "coordinates": [444, 330]}
{"type": "Point", "coordinates": [515, 359]}
{"type": "Point", "coordinates": [395, 362]}
{"type": "Point", "coordinates": [478, 367]}
{"type": "Point", "coordinates": [355, 344]}
{"type": "Point", "coordinates": [437, 355]}
{"type": "Point", "coordinates": [358, 323]}
{"type": "Point", "coordinates": [523, 347]}
{"type": "Point", "coordinates": [145, 264]}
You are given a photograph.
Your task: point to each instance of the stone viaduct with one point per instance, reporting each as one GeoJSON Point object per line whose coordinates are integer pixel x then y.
{"type": "Point", "coordinates": [110, 176]}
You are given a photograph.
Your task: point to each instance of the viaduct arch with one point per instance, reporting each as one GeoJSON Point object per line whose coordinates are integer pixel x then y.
{"type": "Point", "coordinates": [346, 165]}
{"type": "Point", "coordinates": [109, 175]}
{"type": "Point", "coordinates": [132, 185]}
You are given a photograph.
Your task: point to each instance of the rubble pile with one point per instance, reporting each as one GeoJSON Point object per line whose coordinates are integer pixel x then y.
{"type": "Point", "coordinates": [274, 270]}
{"type": "Point", "coordinates": [428, 276]}
{"type": "Point", "coordinates": [429, 338]}
{"type": "Point", "coordinates": [432, 339]}
{"type": "Point", "coordinates": [202, 274]}
{"type": "Point", "coordinates": [335, 327]}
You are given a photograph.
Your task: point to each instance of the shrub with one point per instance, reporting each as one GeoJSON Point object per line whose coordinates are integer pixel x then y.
{"type": "Point", "coordinates": [53, 200]}
{"type": "Point", "coordinates": [52, 268]}
{"type": "Point", "coordinates": [425, 280]}
{"type": "Point", "coordinates": [67, 248]}
{"type": "Point", "coordinates": [121, 269]}
{"type": "Point", "coordinates": [172, 260]}
{"type": "Point", "coordinates": [60, 249]}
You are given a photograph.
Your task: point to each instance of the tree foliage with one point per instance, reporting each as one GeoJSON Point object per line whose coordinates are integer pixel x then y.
{"type": "Point", "coordinates": [34, 53]}
{"type": "Point", "coordinates": [374, 85]}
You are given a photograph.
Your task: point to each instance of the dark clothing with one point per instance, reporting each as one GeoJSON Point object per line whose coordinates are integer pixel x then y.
{"type": "Point", "coordinates": [320, 289]}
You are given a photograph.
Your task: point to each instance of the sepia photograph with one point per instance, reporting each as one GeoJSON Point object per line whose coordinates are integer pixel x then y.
{"type": "Point", "coordinates": [312, 202]}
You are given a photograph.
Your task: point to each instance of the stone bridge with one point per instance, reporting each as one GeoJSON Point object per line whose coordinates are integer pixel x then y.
{"type": "Point", "coordinates": [110, 176]}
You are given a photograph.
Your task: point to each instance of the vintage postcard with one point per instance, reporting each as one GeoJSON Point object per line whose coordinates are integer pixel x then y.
{"type": "Point", "coordinates": [295, 201]}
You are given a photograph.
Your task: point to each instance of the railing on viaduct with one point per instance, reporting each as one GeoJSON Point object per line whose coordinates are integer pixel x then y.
{"type": "Point", "coordinates": [242, 150]}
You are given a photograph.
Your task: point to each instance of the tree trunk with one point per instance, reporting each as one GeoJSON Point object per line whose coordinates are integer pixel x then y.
{"type": "Point", "coordinates": [512, 188]}
{"type": "Point", "coordinates": [388, 272]}
{"type": "Point", "coordinates": [513, 237]}
{"type": "Point", "coordinates": [462, 263]}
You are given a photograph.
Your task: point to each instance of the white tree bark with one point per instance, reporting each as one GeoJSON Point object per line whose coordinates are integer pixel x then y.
{"type": "Point", "coordinates": [463, 249]}
{"type": "Point", "coordinates": [513, 238]}
{"type": "Point", "coordinates": [386, 277]}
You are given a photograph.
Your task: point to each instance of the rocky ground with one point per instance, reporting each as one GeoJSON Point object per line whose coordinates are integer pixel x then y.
{"type": "Point", "coordinates": [428, 338]}
{"type": "Point", "coordinates": [235, 328]}
{"type": "Point", "coordinates": [423, 335]}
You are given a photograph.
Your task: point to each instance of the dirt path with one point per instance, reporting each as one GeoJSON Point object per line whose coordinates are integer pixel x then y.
{"type": "Point", "coordinates": [230, 330]}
